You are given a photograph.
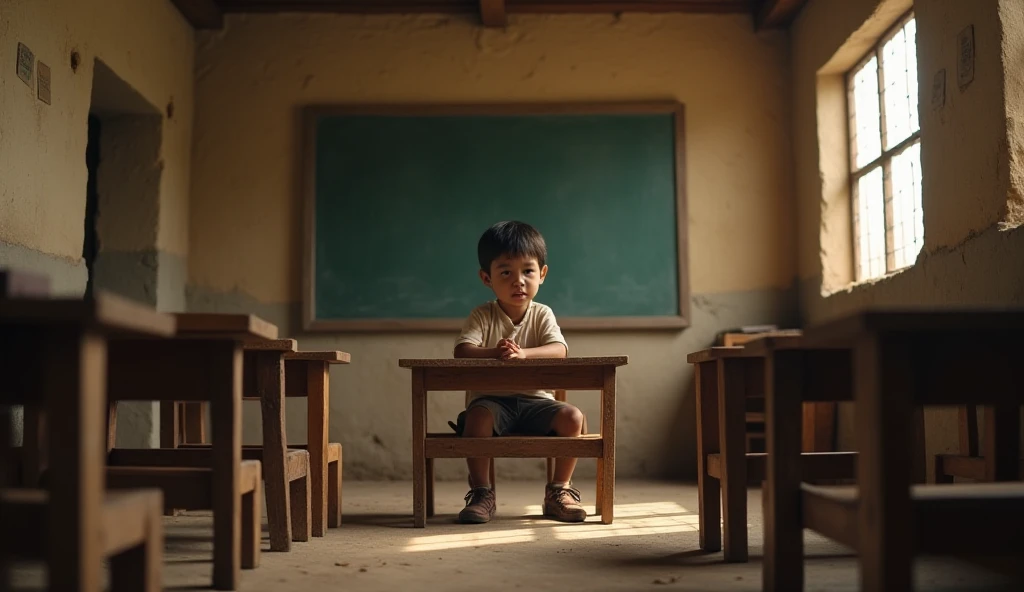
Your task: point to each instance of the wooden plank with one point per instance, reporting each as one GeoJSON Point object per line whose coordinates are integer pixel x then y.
{"type": "Point", "coordinates": [194, 422]}
{"type": "Point", "coordinates": [296, 377]}
{"type": "Point", "coordinates": [715, 353]}
{"type": "Point", "coordinates": [334, 357]}
{"type": "Point", "coordinates": [813, 465]}
{"type": "Point", "coordinates": [883, 387]}
{"type": "Point", "coordinates": [708, 443]}
{"type": "Point", "coordinates": [110, 314]}
{"type": "Point", "coordinates": [514, 379]}
{"type": "Point", "coordinates": [171, 370]}
{"type": "Point", "coordinates": [318, 410]}
{"type": "Point", "coordinates": [195, 325]}
{"type": "Point", "coordinates": [464, 7]}
{"type": "Point", "coordinates": [225, 384]}
{"type": "Point", "coordinates": [591, 446]}
{"type": "Point", "coordinates": [183, 487]}
{"type": "Point", "coordinates": [270, 388]}
{"type": "Point", "coordinates": [419, 444]}
{"type": "Point", "coordinates": [982, 325]}
{"type": "Point", "coordinates": [732, 428]}
{"type": "Point", "coordinates": [334, 474]}
{"type": "Point", "coordinates": [278, 345]}
{"type": "Point", "coordinates": [252, 514]}
{"type": "Point", "coordinates": [299, 495]}
{"type": "Point", "coordinates": [783, 533]}
{"type": "Point", "coordinates": [607, 442]}
{"type": "Point", "coordinates": [492, 13]}
{"type": "Point", "coordinates": [967, 424]}
{"type": "Point", "coordinates": [965, 467]}
{"type": "Point", "coordinates": [834, 516]}
{"type": "Point", "coordinates": [535, 362]}
{"type": "Point", "coordinates": [201, 14]}
{"type": "Point", "coordinates": [777, 14]}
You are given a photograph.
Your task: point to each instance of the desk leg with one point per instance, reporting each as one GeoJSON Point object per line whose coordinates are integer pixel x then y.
{"type": "Point", "coordinates": [709, 513]}
{"type": "Point", "coordinates": [318, 412]}
{"type": "Point", "coordinates": [419, 456]}
{"type": "Point", "coordinates": [270, 388]}
{"type": "Point", "coordinates": [783, 569]}
{"type": "Point", "coordinates": [75, 383]}
{"type": "Point", "coordinates": [608, 454]}
{"type": "Point", "coordinates": [883, 384]}
{"type": "Point", "coordinates": [226, 416]}
{"type": "Point", "coordinates": [732, 402]}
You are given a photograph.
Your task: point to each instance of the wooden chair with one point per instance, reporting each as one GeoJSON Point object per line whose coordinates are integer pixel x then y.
{"type": "Point", "coordinates": [726, 378]}
{"type": "Point", "coordinates": [286, 473]}
{"type": "Point", "coordinates": [901, 360]}
{"type": "Point", "coordinates": [307, 374]}
{"type": "Point", "coordinates": [597, 373]}
{"type": "Point", "coordinates": [204, 362]}
{"type": "Point", "coordinates": [970, 463]}
{"type": "Point", "coordinates": [53, 356]}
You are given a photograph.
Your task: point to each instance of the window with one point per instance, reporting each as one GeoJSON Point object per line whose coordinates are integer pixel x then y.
{"type": "Point", "coordinates": [885, 155]}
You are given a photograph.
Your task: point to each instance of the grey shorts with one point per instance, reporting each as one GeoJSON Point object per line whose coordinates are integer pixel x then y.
{"type": "Point", "coordinates": [529, 416]}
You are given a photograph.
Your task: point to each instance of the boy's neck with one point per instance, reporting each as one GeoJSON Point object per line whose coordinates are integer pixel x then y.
{"type": "Point", "coordinates": [515, 313]}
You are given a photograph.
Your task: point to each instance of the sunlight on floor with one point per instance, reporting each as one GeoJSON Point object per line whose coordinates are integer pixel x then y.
{"type": "Point", "coordinates": [630, 520]}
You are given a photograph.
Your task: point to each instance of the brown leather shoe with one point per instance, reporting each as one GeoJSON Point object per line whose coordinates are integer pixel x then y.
{"type": "Point", "coordinates": [563, 504]}
{"type": "Point", "coordinates": [481, 505]}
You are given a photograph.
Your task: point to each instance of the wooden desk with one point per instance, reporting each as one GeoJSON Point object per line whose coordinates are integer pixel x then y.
{"type": "Point", "coordinates": [53, 356]}
{"type": "Point", "coordinates": [726, 378]}
{"type": "Point", "coordinates": [902, 360]}
{"type": "Point", "coordinates": [597, 373]}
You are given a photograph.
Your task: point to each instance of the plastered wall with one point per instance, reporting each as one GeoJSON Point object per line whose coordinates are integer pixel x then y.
{"type": "Point", "coordinates": [972, 147]}
{"type": "Point", "coordinates": [245, 239]}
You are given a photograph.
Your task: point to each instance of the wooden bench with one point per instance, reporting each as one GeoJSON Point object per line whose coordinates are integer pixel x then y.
{"type": "Point", "coordinates": [204, 362]}
{"type": "Point", "coordinates": [971, 463]}
{"type": "Point", "coordinates": [726, 377]}
{"type": "Point", "coordinates": [597, 373]}
{"type": "Point", "coordinates": [53, 356]}
{"type": "Point", "coordinates": [307, 374]}
{"type": "Point", "coordinates": [901, 361]}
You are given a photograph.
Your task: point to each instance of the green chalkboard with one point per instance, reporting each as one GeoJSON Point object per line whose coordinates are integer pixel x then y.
{"type": "Point", "coordinates": [397, 197]}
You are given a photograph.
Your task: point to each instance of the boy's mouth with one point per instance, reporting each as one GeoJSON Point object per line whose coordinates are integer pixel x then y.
{"type": "Point", "coordinates": [519, 294]}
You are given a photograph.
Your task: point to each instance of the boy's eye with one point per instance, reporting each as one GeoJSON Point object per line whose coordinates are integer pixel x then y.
{"type": "Point", "coordinates": [505, 273]}
{"type": "Point", "coordinates": [528, 271]}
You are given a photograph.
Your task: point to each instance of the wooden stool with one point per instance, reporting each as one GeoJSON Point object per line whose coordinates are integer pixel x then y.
{"type": "Point", "coordinates": [596, 373]}
{"type": "Point", "coordinates": [204, 362]}
{"type": "Point", "coordinates": [307, 374]}
{"type": "Point", "coordinates": [901, 360]}
{"type": "Point", "coordinates": [53, 356]}
{"type": "Point", "coordinates": [969, 464]}
{"type": "Point", "coordinates": [726, 378]}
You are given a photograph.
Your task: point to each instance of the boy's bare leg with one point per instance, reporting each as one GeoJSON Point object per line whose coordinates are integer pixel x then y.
{"type": "Point", "coordinates": [479, 424]}
{"type": "Point", "coordinates": [567, 422]}
{"type": "Point", "coordinates": [480, 502]}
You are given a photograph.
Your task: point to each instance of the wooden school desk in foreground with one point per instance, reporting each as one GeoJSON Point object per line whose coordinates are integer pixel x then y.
{"type": "Point", "coordinates": [901, 361]}
{"type": "Point", "coordinates": [53, 356]}
{"type": "Point", "coordinates": [597, 373]}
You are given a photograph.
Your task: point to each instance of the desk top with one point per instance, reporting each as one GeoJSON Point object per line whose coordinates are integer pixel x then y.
{"type": "Point", "coordinates": [489, 363]}
{"type": "Point", "coordinates": [105, 312]}
{"type": "Point", "coordinates": [915, 322]}
{"type": "Point", "coordinates": [329, 356]}
{"type": "Point", "coordinates": [244, 327]}
{"type": "Point", "coordinates": [278, 345]}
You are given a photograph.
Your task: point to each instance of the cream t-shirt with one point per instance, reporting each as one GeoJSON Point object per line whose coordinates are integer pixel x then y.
{"type": "Point", "coordinates": [488, 324]}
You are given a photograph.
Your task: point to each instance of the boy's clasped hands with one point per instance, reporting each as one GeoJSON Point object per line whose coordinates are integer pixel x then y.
{"type": "Point", "coordinates": [510, 350]}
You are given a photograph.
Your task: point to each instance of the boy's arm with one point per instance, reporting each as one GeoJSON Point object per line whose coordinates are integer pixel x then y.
{"type": "Point", "coordinates": [469, 350]}
{"type": "Point", "coordinates": [551, 350]}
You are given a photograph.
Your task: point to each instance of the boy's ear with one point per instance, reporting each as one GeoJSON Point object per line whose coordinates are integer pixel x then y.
{"type": "Point", "coordinates": [543, 273]}
{"type": "Point", "coordinates": [485, 278]}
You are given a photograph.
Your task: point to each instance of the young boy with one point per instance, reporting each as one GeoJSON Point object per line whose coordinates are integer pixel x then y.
{"type": "Point", "coordinates": [512, 259]}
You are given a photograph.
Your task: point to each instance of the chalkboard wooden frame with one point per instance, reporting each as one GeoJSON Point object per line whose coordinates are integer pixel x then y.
{"type": "Point", "coordinates": [310, 118]}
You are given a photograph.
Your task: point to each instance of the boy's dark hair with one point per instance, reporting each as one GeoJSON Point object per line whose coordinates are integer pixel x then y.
{"type": "Point", "coordinates": [512, 238]}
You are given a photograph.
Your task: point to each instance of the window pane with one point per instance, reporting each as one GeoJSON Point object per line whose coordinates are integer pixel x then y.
{"type": "Point", "coordinates": [899, 93]}
{"type": "Point", "coordinates": [870, 225]}
{"type": "Point", "coordinates": [907, 216]}
{"type": "Point", "coordinates": [867, 141]}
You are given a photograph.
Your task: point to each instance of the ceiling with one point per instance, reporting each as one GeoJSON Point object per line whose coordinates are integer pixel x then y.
{"type": "Point", "coordinates": [765, 14]}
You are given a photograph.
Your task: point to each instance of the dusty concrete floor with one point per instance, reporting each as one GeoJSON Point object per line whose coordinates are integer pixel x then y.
{"type": "Point", "coordinates": [652, 545]}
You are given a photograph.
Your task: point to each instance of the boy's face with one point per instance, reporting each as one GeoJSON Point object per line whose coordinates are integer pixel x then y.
{"type": "Point", "coordinates": [515, 280]}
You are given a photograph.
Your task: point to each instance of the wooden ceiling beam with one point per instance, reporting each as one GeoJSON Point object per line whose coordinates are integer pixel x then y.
{"type": "Point", "coordinates": [470, 6]}
{"type": "Point", "coordinates": [492, 13]}
{"type": "Point", "coordinates": [201, 14]}
{"type": "Point", "coordinates": [773, 14]}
